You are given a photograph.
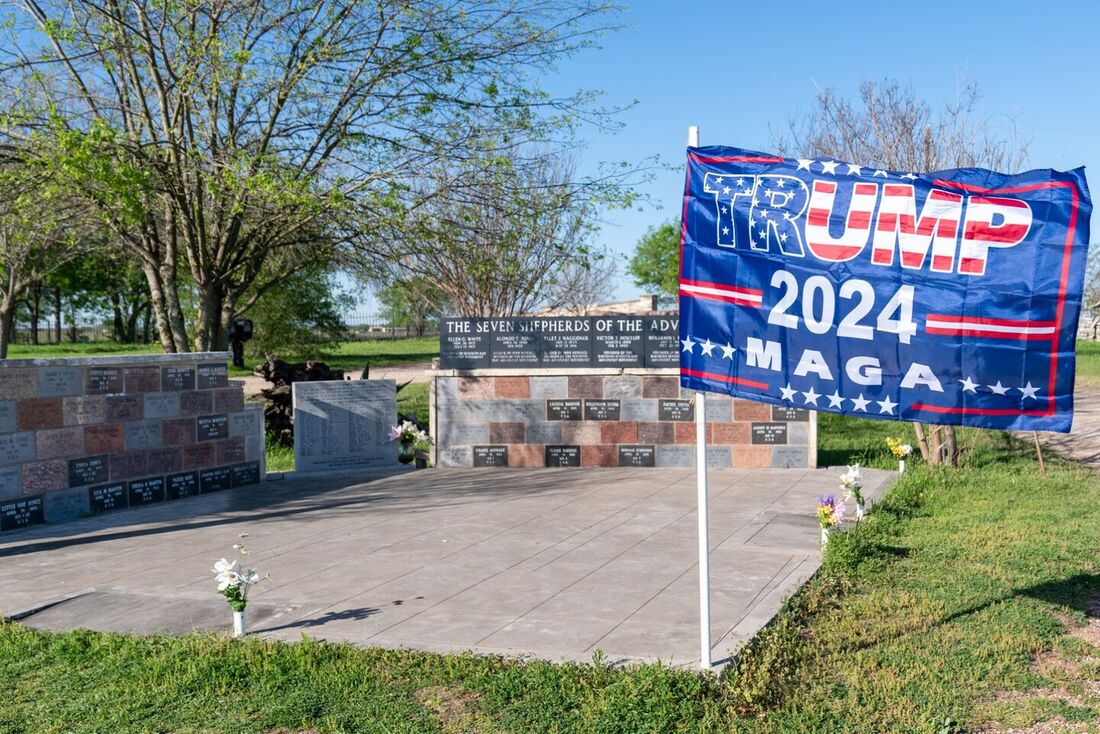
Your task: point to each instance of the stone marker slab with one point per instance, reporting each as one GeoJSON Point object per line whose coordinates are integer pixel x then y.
{"type": "Point", "coordinates": [769, 433]}
{"type": "Point", "coordinates": [216, 480]}
{"type": "Point", "coordinates": [88, 470]}
{"type": "Point", "coordinates": [490, 456]}
{"type": "Point", "coordinates": [63, 505]}
{"type": "Point", "coordinates": [146, 491]}
{"type": "Point", "coordinates": [11, 482]}
{"type": "Point", "coordinates": [209, 376]}
{"type": "Point", "coordinates": [562, 456]}
{"type": "Point", "coordinates": [790, 457]}
{"type": "Point", "coordinates": [178, 486]}
{"type": "Point", "coordinates": [55, 382]}
{"type": "Point", "coordinates": [103, 380]}
{"type": "Point", "coordinates": [246, 474]}
{"type": "Point", "coordinates": [783, 413]}
{"type": "Point", "coordinates": [675, 457]}
{"type": "Point", "coordinates": [544, 433]}
{"type": "Point", "coordinates": [563, 410]}
{"type": "Point", "coordinates": [177, 378]}
{"type": "Point", "coordinates": [142, 435]}
{"type": "Point", "coordinates": [16, 448]}
{"type": "Point", "coordinates": [602, 410]}
{"type": "Point", "coordinates": [17, 383]}
{"type": "Point", "coordinates": [107, 497]}
{"type": "Point", "coordinates": [246, 423]}
{"type": "Point", "coordinates": [9, 419]}
{"type": "Point", "coordinates": [344, 424]}
{"type": "Point", "coordinates": [212, 427]}
{"type": "Point", "coordinates": [675, 410]}
{"type": "Point", "coordinates": [162, 404]}
{"type": "Point", "coordinates": [21, 513]}
{"type": "Point", "coordinates": [640, 455]}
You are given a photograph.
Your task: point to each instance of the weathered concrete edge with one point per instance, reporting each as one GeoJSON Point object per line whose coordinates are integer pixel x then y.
{"type": "Point", "coordinates": [119, 360]}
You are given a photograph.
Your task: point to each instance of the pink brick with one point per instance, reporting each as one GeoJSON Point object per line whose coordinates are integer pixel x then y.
{"type": "Point", "coordinates": [178, 431]}
{"type": "Point", "coordinates": [36, 414]}
{"type": "Point", "coordinates": [752, 457]}
{"type": "Point", "coordinates": [580, 432]}
{"type": "Point", "coordinates": [654, 386]}
{"type": "Point", "coordinates": [506, 433]}
{"type": "Point", "coordinates": [58, 442]}
{"type": "Point", "coordinates": [475, 388]}
{"type": "Point", "coordinates": [141, 379]}
{"type": "Point", "coordinates": [750, 410]}
{"type": "Point", "coordinates": [586, 386]}
{"type": "Point", "coordinates": [526, 455]}
{"type": "Point", "coordinates": [619, 432]}
{"type": "Point", "coordinates": [231, 451]}
{"type": "Point", "coordinates": [513, 387]}
{"type": "Point", "coordinates": [599, 455]}
{"type": "Point", "coordinates": [198, 456]}
{"type": "Point", "coordinates": [42, 476]}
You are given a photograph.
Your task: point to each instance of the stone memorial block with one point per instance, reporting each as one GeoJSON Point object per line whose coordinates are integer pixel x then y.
{"type": "Point", "coordinates": [784, 413]}
{"type": "Point", "coordinates": [245, 423]}
{"type": "Point", "coordinates": [662, 342]}
{"type": "Point", "coordinates": [164, 460]}
{"type": "Point", "coordinates": [209, 376]}
{"type": "Point", "coordinates": [107, 497]}
{"type": "Point", "coordinates": [253, 448]}
{"type": "Point", "coordinates": [141, 379]}
{"type": "Point", "coordinates": [216, 480]}
{"type": "Point", "coordinates": [563, 410]}
{"type": "Point", "coordinates": [177, 378]}
{"type": "Point", "coordinates": [567, 342]}
{"type": "Point", "coordinates": [618, 341]}
{"type": "Point", "coordinates": [21, 513]}
{"type": "Point", "coordinates": [246, 474]}
{"type": "Point", "coordinates": [601, 410]}
{"type": "Point", "coordinates": [162, 404]}
{"type": "Point", "coordinates": [231, 451]}
{"type": "Point", "coordinates": [36, 414]}
{"type": "Point", "coordinates": [55, 382]}
{"type": "Point", "coordinates": [490, 456]}
{"type": "Point", "coordinates": [66, 504]}
{"type": "Point", "coordinates": [11, 482]}
{"type": "Point", "coordinates": [84, 410]}
{"type": "Point", "coordinates": [544, 433]}
{"type": "Point", "coordinates": [9, 421]}
{"type": "Point", "coordinates": [17, 383]}
{"type": "Point", "coordinates": [513, 346]}
{"type": "Point", "coordinates": [16, 448]}
{"type": "Point", "coordinates": [344, 424]}
{"type": "Point", "coordinates": [178, 431]}
{"type": "Point", "coordinates": [106, 438]}
{"type": "Point", "coordinates": [183, 485]}
{"type": "Point", "coordinates": [463, 344]}
{"type": "Point", "coordinates": [675, 410]}
{"type": "Point", "coordinates": [719, 457]}
{"type": "Point", "coordinates": [637, 455]}
{"type": "Point", "coordinates": [769, 433]}
{"type": "Point", "coordinates": [199, 455]}
{"type": "Point", "coordinates": [638, 410]}
{"type": "Point", "coordinates": [549, 386]}
{"type": "Point", "coordinates": [464, 434]}
{"type": "Point", "coordinates": [456, 456]}
{"type": "Point", "coordinates": [719, 410]}
{"type": "Point", "coordinates": [790, 457]}
{"type": "Point", "coordinates": [88, 470]}
{"type": "Point", "coordinates": [622, 386]}
{"type": "Point", "coordinates": [45, 476]}
{"type": "Point", "coordinates": [58, 442]}
{"type": "Point", "coordinates": [125, 408]}
{"type": "Point", "coordinates": [196, 402]}
{"type": "Point", "coordinates": [562, 456]}
{"type": "Point", "coordinates": [212, 427]}
{"type": "Point", "coordinates": [675, 456]}
{"type": "Point", "coordinates": [229, 400]}
{"type": "Point", "coordinates": [103, 380]}
{"type": "Point", "coordinates": [129, 465]}
{"type": "Point", "coordinates": [146, 491]}
{"type": "Point", "coordinates": [143, 434]}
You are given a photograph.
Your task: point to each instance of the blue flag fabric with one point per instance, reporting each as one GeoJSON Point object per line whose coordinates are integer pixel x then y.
{"type": "Point", "coordinates": [948, 297]}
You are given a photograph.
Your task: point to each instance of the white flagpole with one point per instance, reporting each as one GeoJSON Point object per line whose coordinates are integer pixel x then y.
{"type": "Point", "coordinates": [701, 482]}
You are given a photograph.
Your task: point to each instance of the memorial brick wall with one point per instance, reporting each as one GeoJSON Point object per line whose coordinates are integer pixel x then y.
{"type": "Point", "coordinates": [89, 435]}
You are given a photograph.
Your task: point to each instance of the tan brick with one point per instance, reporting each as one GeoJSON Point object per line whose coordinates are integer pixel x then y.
{"type": "Point", "coordinates": [58, 442]}
{"type": "Point", "coordinates": [654, 386]}
{"type": "Point", "coordinates": [663, 432]}
{"type": "Point", "coordinates": [513, 387]}
{"type": "Point", "coordinates": [42, 476]}
{"type": "Point", "coordinates": [580, 432]}
{"type": "Point", "coordinates": [526, 455]}
{"type": "Point", "coordinates": [619, 432]}
{"type": "Point", "coordinates": [128, 465]}
{"type": "Point", "coordinates": [752, 457]}
{"type": "Point", "coordinates": [586, 386]}
{"type": "Point", "coordinates": [475, 388]}
{"type": "Point", "coordinates": [178, 431]}
{"type": "Point", "coordinates": [36, 414]}
{"type": "Point", "coordinates": [198, 456]}
{"type": "Point", "coordinates": [599, 455]}
{"type": "Point", "coordinates": [731, 434]}
{"type": "Point", "coordinates": [685, 432]}
{"type": "Point", "coordinates": [750, 410]}
{"type": "Point", "coordinates": [506, 433]}
{"type": "Point", "coordinates": [141, 379]}
{"type": "Point", "coordinates": [109, 438]}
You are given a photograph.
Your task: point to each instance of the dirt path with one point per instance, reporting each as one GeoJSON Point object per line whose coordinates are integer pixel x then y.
{"type": "Point", "coordinates": [401, 373]}
{"type": "Point", "coordinates": [1083, 442]}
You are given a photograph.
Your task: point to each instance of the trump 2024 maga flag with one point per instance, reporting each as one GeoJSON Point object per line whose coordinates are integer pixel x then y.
{"type": "Point", "coordinates": [948, 297]}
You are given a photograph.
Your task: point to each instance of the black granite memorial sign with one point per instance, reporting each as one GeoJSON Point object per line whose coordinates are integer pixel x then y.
{"type": "Point", "coordinates": [146, 491]}
{"type": "Point", "coordinates": [246, 474]}
{"type": "Point", "coordinates": [567, 343]}
{"type": "Point", "coordinates": [99, 380]}
{"type": "Point", "coordinates": [512, 347]}
{"type": "Point", "coordinates": [490, 456]}
{"type": "Point", "coordinates": [601, 410]}
{"type": "Point", "coordinates": [563, 410]}
{"type": "Point", "coordinates": [177, 378]}
{"type": "Point", "coordinates": [182, 485]}
{"type": "Point", "coordinates": [618, 341]}
{"type": "Point", "coordinates": [21, 513]}
{"type": "Point", "coordinates": [462, 346]}
{"type": "Point", "coordinates": [637, 456]}
{"type": "Point", "coordinates": [662, 342]}
{"type": "Point", "coordinates": [675, 410]}
{"type": "Point", "coordinates": [211, 376]}
{"type": "Point", "coordinates": [213, 427]}
{"type": "Point", "coordinates": [107, 497]}
{"type": "Point", "coordinates": [769, 433]}
{"type": "Point", "coordinates": [88, 470]}
{"type": "Point", "coordinates": [784, 413]}
{"type": "Point", "coordinates": [215, 480]}
{"type": "Point", "coordinates": [563, 456]}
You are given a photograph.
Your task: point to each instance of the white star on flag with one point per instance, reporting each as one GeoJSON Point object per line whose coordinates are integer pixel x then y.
{"type": "Point", "coordinates": [909, 176]}
{"type": "Point", "coordinates": [1028, 391]}
{"type": "Point", "coordinates": [854, 170]}
{"type": "Point", "coordinates": [879, 172]}
{"type": "Point", "coordinates": [788, 392]}
{"type": "Point", "coordinates": [727, 351]}
{"type": "Point", "coordinates": [689, 345]}
{"type": "Point", "coordinates": [708, 348]}
{"type": "Point", "coordinates": [887, 405]}
{"type": "Point", "coordinates": [998, 389]}
{"type": "Point", "coordinates": [859, 403]}
{"type": "Point", "coordinates": [829, 166]}
{"type": "Point", "coordinates": [803, 164]}
{"type": "Point", "coordinates": [740, 182]}
{"type": "Point", "coordinates": [969, 385]}
{"type": "Point", "coordinates": [811, 396]}
{"type": "Point", "coordinates": [835, 401]}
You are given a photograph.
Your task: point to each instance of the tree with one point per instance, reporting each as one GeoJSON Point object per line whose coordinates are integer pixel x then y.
{"type": "Point", "coordinates": [299, 316]}
{"type": "Point", "coordinates": [413, 302]}
{"type": "Point", "coordinates": [890, 127]}
{"type": "Point", "coordinates": [581, 285]}
{"type": "Point", "coordinates": [656, 261]}
{"type": "Point", "coordinates": [224, 136]}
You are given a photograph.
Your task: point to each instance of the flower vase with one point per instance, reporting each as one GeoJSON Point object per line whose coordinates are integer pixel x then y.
{"type": "Point", "coordinates": [824, 537]}
{"type": "Point", "coordinates": [406, 452]}
{"type": "Point", "coordinates": [901, 466]}
{"type": "Point", "coordinates": [238, 624]}
{"type": "Point", "coordinates": [859, 510]}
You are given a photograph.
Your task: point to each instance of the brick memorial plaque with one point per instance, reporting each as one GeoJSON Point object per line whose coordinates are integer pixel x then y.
{"type": "Point", "coordinates": [245, 423]}
{"type": "Point", "coordinates": [784, 413]}
{"type": "Point", "coordinates": [601, 410]}
{"type": "Point", "coordinates": [100, 380]}
{"type": "Point", "coordinates": [177, 378]}
{"type": "Point", "coordinates": [246, 474]}
{"type": "Point", "coordinates": [212, 427]}
{"type": "Point", "coordinates": [146, 491]}
{"type": "Point", "coordinates": [162, 404]}
{"type": "Point", "coordinates": [637, 455]}
{"type": "Point", "coordinates": [209, 376]}
{"type": "Point", "coordinates": [675, 410]}
{"type": "Point", "coordinates": [183, 485]}
{"type": "Point", "coordinates": [789, 457]}
{"type": "Point", "coordinates": [21, 513]}
{"type": "Point", "coordinates": [618, 341]}
{"type": "Point", "coordinates": [142, 435]}
{"type": "Point", "coordinates": [58, 381]}
{"type": "Point", "coordinates": [563, 456]}
{"type": "Point", "coordinates": [87, 470]}
{"type": "Point", "coordinates": [563, 410]}
{"type": "Point", "coordinates": [216, 480]}
{"type": "Point", "coordinates": [342, 425]}
{"type": "Point", "coordinates": [490, 456]}
{"type": "Point", "coordinates": [16, 447]}
{"type": "Point", "coordinates": [769, 433]}
{"type": "Point", "coordinates": [9, 420]}
{"type": "Point", "coordinates": [11, 482]}
{"type": "Point", "coordinates": [107, 497]}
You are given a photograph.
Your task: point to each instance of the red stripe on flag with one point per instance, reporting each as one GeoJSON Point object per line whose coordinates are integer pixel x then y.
{"type": "Point", "coordinates": [724, 378]}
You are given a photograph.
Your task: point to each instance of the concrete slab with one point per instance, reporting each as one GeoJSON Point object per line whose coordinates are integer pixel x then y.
{"type": "Point", "coordinates": [556, 564]}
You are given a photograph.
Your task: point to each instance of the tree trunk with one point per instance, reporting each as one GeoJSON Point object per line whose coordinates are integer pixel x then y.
{"type": "Point", "coordinates": [57, 314]}
{"type": "Point", "coordinates": [119, 326]}
{"type": "Point", "coordinates": [922, 442]}
{"type": "Point", "coordinates": [951, 446]}
{"type": "Point", "coordinates": [147, 314]}
{"type": "Point", "coordinates": [7, 314]}
{"type": "Point", "coordinates": [208, 329]}
{"type": "Point", "coordinates": [35, 304]}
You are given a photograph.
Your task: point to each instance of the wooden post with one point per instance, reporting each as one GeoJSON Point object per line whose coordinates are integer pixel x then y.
{"type": "Point", "coordinates": [1039, 453]}
{"type": "Point", "coordinates": [922, 441]}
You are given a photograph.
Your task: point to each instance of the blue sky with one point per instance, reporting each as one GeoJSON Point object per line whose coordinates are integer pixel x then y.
{"type": "Point", "coordinates": [741, 70]}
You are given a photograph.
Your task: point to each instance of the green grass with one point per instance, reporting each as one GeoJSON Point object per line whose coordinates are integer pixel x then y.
{"type": "Point", "coordinates": [1088, 362]}
{"type": "Point", "coordinates": [79, 349]}
{"type": "Point", "coordinates": [948, 609]}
